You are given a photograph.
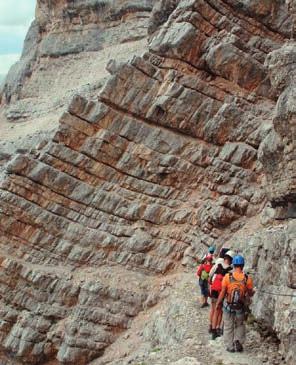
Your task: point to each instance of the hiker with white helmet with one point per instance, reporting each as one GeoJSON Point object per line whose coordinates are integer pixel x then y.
{"type": "Point", "coordinates": [236, 288]}
{"type": "Point", "coordinates": [217, 273]}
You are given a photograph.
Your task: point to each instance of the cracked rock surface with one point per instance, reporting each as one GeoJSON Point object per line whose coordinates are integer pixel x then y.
{"type": "Point", "coordinates": [66, 51]}
{"type": "Point", "coordinates": [183, 147]}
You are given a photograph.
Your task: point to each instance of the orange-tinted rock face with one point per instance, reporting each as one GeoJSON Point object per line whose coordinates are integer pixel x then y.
{"type": "Point", "coordinates": [161, 166]}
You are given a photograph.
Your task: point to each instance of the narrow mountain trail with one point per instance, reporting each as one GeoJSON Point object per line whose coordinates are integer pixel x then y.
{"type": "Point", "coordinates": [175, 331]}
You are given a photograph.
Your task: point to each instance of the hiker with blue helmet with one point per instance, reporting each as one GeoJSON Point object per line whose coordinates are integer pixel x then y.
{"type": "Point", "coordinates": [236, 287]}
{"type": "Point", "coordinates": [211, 252]}
{"type": "Point", "coordinates": [202, 273]}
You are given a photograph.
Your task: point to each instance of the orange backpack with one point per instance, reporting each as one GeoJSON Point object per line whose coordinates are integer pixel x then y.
{"type": "Point", "coordinates": [236, 291]}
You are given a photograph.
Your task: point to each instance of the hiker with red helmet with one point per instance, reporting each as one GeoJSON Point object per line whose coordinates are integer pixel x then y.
{"type": "Point", "coordinates": [203, 272]}
{"type": "Point", "coordinates": [217, 273]}
{"type": "Point", "coordinates": [237, 287]}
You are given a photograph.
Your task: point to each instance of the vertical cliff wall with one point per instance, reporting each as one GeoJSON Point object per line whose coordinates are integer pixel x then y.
{"type": "Point", "coordinates": [134, 184]}
{"type": "Point", "coordinates": [66, 51]}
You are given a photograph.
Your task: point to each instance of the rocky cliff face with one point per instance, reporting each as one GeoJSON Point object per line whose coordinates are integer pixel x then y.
{"type": "Point", "coordinates": [140, 181]}
{"type": "Point", "coordinates": [271, 257]}
{"type": "Point", "coordinates": [66, 50]}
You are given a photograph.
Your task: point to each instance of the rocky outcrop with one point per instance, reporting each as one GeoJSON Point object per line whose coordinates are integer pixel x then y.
{"type": "Point", "coordinates": [141, 180]}
{"type": "Point", "coordinates": [277, 150]}
{"type": "Point", "coordinates": [66, 50]}
{"type": "Point", "coordinates": [175, 331]}
{"type": "Point", "coordinates": [272, 257]}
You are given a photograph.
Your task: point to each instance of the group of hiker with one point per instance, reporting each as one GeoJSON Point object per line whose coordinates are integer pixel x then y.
{"type": "Point", "coordinates": [223, 280]}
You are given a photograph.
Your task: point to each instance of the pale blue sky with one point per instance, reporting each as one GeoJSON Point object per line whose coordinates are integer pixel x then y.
{"type": "Point", "coordinates": [15, 19]}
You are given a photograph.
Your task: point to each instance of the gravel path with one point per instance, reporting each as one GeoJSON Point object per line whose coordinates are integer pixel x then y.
{"type": "Point", "coordinates": [175, 332]}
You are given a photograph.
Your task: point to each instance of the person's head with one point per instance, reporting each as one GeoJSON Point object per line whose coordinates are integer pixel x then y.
{"type": "Point", "coordinates": [229, 256]}
{"type": "Point", "coordinates": [219, 261]}
{"type": "Point", "coordinates": [211, 249]}
{"type": "Point", "coordinates": [223, 252]}
{"type": "Point", "coordinates": [209, 259]}
{"type": "Point", "coordinates": [219, 266]}
{"type": "Point", "coordinates": [238, 262]}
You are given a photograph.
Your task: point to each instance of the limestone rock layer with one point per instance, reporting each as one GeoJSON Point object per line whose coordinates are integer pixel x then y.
{"type": "Point", "coordinates": [66, 49]}
{"type": "Point", "coordinates": [140, 181]}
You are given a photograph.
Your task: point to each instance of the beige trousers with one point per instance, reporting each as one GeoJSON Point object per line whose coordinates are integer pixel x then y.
{"type": "Point", "coordinates": [234, 328]}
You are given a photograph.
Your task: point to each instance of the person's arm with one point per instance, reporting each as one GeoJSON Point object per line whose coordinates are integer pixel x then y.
{"type": "Point", "coordinates": [223, 291]}
{"type": "Point", "coordinates": [199, 270]}
{"type": "Point", "coordinates": [221, 296]}
{"type": "Point", "coordinates": [250, 287]}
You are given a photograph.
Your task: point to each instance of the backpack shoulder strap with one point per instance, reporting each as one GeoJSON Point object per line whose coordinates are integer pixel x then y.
{"type": "Point", "coordinates": [232, 278]}
{"type": "Point", "coordinates": [243, 282]}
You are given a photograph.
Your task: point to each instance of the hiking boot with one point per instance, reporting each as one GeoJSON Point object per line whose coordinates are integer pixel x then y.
{"type": "Point", "coordinates": [219, 332]}
{"type": "Point", "coordinates": [214, 334]}
{"type": "Point", "coordinates": [230, 349]}
{"type": "Point", "coordinates": [204, 305]}
{"type": "Point", "coordinates": [210, 329]}
{"type": "Point", "coordinates": [238, 346]}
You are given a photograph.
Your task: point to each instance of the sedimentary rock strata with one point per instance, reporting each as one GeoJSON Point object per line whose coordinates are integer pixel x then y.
{"type": "Point", "coordinates": [277, 152]}
{"type": "Point", "coordinates": [66, 49]}
{"type": "Point", "coordinates": [141, 180]}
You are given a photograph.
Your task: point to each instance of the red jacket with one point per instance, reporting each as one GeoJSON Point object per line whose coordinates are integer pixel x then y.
{"type": "Point", "coordinates": [206, 267]}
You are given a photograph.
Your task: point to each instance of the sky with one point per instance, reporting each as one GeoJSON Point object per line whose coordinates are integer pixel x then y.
{"type": "Point", "coordinates": [15, 19]}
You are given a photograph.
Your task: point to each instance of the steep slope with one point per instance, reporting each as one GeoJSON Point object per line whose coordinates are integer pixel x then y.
{"type": "Point", "coordinates": [143, 179]}
{"type": "Point", "coordinates": [66, 50]}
